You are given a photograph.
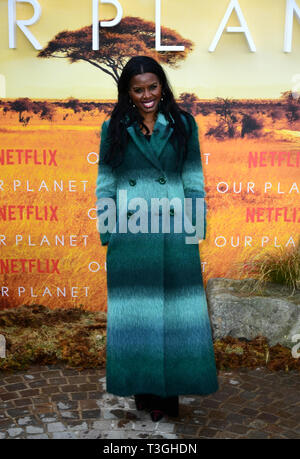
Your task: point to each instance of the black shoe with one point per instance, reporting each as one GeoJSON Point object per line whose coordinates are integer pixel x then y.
{"type": "Point", "coordinates": [171, 406]}
{"type": "Point", "coordinates": [157, 408]}
{"type": "Point", "coordinates": [142, 401]}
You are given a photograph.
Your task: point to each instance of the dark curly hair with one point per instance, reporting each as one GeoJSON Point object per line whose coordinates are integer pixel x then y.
{"type": "Point", "coordinates": [117, 132]}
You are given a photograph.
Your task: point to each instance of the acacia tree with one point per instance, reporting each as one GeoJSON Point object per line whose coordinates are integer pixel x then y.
{"type": "Point", "coordinates": [21, 105]}
{"type": "Point", "coordinates": [132, 36]}
{"type": "Point", "coordinates": [189, 101]}
{"type": "Point", "coordinates": [226, 113]}
{"type": "Point", "coordinates": [291, 106]}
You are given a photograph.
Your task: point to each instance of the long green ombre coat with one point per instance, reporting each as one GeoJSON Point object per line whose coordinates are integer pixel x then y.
{"type": "Point", "coordinates": [158, 330]}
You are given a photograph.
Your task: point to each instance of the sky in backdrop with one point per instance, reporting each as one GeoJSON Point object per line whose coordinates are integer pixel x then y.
{"type": "Point", "coordinates": [231, 71]}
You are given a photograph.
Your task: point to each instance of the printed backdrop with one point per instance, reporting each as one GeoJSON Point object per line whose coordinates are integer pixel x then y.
{"type": "Point", "coordinates": [53, 101]}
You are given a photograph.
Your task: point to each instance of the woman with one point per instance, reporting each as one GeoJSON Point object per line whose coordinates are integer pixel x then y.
{"type": "Point", "coordinates": [159, 342]}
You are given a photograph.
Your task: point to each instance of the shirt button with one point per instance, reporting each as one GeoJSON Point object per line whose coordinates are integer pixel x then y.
{"type": "Point", "coordinates": [132, 182]}
{"type": "Point", "coordinates": [162, 180]}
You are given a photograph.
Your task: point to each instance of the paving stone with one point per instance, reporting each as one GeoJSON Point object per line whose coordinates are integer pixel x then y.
{"type": "Point", "coordinates": [167, 435]}
{"type": "Point", "coordinates": [42, 408]}
{"type": "Point", "coordinates": [78, 379]}
{"type": "Point", "coordinates": [267, 417]}
{"type": "Point", "coordinates": [289, 423]}
{"type": "Point", "coordinates": [67, 405]}
{"type": "Point", "coordinates": [114, 434]}
{"type": "Point", "coordinates": [36, 369]}
{"type": "Point", "coordinates": [76, 425]}
{"type": "Point", "coordinates": [257, 434]}
{"type": "Point", "coordinates": [69, 414]}
{"type": "Point", "coordinates": [93, 378]}
{"type": "Point", "coordinates": [9, 396]}
{"type": "Point", "coordinates": [37, 383]}
{"type": "Point", "coordinates": [210, 403]}
{"type": "Point", "coordinates": [50, 390]}
{"type": "Point", "coordinates": [200, 420]}
{"type": "Point", "coordinates": [224, 435]}
{"type": "Point", "coordinates": [24, 421]}
{"type": "Point", "coordinates": [79, 395]}
{"type": "Point", "coordinates": [236, 418]}
{"type": "Point", "coordinates": [49, 417]}
{"type": "Point", "coordinates": [60, 397]}
{"type": "Point", "coordinates": [185, 429]}
{"type": "Point", "coordinates": [248, 412]}
{"type": "Point", "coordinates": [217, 414]}
{"type": "Point", "coordinates": [70, 372]}
{"type": "Point", "coordinates": [115, 414]}
{"type": "Point", "coordinates": [273, 428]}
{"type": "Point", "coordinates": [38, 436]}
{"type": "Point", "coordinates": [257, 423]}
{"type": "Point", "coordinates": [247, 394]}
{"type": "Point", "coordinates": [87, 387]}
{"type": "Point", "coordinates": [207, 432]}
{"type": "Point", "coordinates": [56, 427]}
{"type": "Point", "coordinates": [6, 423]}
{"type": "Point", "coordinates": [250, 403]}
{"type": "Point", "coordinates": [16, 412]}
{"type": "Point", "coordinates": [29, 392]}
{"type": "Point", "coordinates": [51, 374]}
{"type": "Point", "coordinates": [88, 404]}
{"type": "Point", "coordinates": [8, 404]}
{"type": "Point", "coordinates": [64, 435]}
{"type": "Point", "coordinates": [237, 428]}
{"type": "Point", "coordinates": [58, 381]}
{"type": "Point", "coordinates": [14, 431]}
{"type": "Point", "coordinates": [291, 435]}
{"type": "Point", "coordinates": [184, 400]}
{"type": "Point", "coordinates": [231, 408]}
{"type": "Point", "coordinates": [138, 435]}
{"type": "Point", "coordinates": [23, 402]}
{"type": "Point", "coordinates": [103, 425]}
{"type": "Point", "coordinates": [14, 387]}
{"type": "Point", "coordinates": [13, 379]}
{"type": "Point", "coordinates": [40, 399]}
{"type": "Point", "coordinates": [34, 430]}
{"type": "Point", "coordinates": [218, 424]}
{"type": "Point", "coordinates": [69, 388]}
{"type": "Point", "coordinates": [90, 434]}
{"type": "Point", "coordinates": [90, 414]}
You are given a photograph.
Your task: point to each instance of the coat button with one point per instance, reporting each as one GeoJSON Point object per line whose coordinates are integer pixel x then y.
{"type": "Point", "coordinates": [129, 213]}
{"type": "Point", "coordinates": [162, 180]}
{"type": "Point", "coordinates": [172, 212]}
{"type": "Point", "coordinates": [132, 182]}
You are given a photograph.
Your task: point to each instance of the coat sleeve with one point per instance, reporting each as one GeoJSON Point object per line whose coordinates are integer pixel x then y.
{"type": "Point", "coordinates": [106, 182]}
{"type": "Point", "coordinates": [193, 180]}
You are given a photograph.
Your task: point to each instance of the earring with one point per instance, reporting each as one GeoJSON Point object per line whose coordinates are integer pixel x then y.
{"type": "Point", "coordinates": [130, 101]}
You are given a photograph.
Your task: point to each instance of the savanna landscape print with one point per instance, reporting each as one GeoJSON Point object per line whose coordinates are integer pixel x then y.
{"type": "Point", "coordinates": [50, 248]}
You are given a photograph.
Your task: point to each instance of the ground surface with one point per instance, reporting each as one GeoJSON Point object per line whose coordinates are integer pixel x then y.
{"type": "Point", "coordinates": [57, 402]}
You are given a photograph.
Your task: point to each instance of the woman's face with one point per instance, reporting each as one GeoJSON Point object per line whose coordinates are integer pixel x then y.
{"type": "Point", "coordinates": [145, 91]}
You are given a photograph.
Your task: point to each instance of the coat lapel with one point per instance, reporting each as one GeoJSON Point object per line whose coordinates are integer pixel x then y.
{"type": "Point", "coordinates": [159, 138]}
